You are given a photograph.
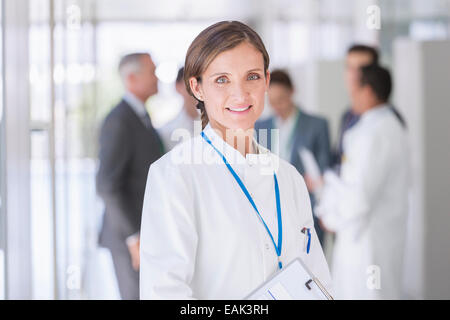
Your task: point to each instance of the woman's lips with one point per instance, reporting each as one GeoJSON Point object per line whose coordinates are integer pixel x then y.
{"type": "Point", "coordinates": [239, 109]}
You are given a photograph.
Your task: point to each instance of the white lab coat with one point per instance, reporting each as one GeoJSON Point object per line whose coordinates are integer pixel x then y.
{"type": "Point", "coordinates": [200, 236]}
{"type": "Point", "coordinates": [367, 207]}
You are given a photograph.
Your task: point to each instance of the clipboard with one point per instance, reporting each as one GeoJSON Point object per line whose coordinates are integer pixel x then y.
{"type": "Point", "coordinates": [309, 163]}
{"type": "Point", "coordinates": [293, 282]}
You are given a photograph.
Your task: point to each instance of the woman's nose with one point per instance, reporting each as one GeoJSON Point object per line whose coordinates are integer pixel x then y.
{"type": "Point", "coordinates": [240, 91]}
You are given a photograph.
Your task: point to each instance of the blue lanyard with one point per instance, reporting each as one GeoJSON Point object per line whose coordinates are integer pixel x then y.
{"type": "Point", "coordinates": [250, 199]}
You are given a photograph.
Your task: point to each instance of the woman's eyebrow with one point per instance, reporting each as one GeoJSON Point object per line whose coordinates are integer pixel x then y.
{"type": "Point", "coordinates": [223, 73]}
{"type": "Point", "coordinates": [218, 73]}
{"type": "Point", "coordinates": [256, 69]}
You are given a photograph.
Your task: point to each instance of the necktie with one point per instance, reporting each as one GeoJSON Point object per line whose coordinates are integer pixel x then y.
{"type": "Point", "coordinates": [146, 120]}
{"type": "Point", "coordinates": [148, 124]}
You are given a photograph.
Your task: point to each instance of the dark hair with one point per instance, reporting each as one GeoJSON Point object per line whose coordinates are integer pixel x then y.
{"type": "Point", "coordinates": [180, 75]}
{"type": "Point", "coordinates": [212, 41]}
{"type": "Point", "coordinates": [378, 79]}
{"type": "Point", "coordinates": [281, 77]}
{"type": "Point", "coordinates": [361, 48]}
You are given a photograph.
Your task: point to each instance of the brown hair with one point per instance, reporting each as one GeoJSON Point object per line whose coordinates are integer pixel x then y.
{"type": "Point", "coordinates": [361, 48]}
{"type": "Point", "coordinates": [281, 77]}
{"type": "Point", "coordinates": [212, 41]}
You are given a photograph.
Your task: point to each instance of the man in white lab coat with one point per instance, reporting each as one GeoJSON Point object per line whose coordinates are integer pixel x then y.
{"type": "Point", "coordinates": [367, 205]}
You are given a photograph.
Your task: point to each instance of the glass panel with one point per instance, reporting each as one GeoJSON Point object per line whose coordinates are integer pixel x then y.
{"type": "Point", "coordinates": [77, 210]}
{"type": "Point", "coordinates": [74, 133]}
{"type": "Point", "coordinates": [40, 165]}
{"type": "Point", "coordinates": [41, 217]}
{"type": "Point", "coordinates": [2, 168]}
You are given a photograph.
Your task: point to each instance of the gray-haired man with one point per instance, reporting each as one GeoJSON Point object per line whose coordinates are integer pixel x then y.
{"type": "Point", "coordinates": [128, 145]}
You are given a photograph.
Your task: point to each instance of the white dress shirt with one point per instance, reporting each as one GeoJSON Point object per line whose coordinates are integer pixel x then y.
{"type": "Point", "coordinates": [138, 107]}
{"type": "Point", "coordinates": [286, 128]}
{"type": "Point", "coordinates": [200, 236]}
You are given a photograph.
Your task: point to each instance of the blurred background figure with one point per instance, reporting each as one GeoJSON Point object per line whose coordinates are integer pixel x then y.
{"type": "Point", "coordinates": [185, 119]}
{"type": "Point", "coordinates": [358, 55]}
{"type": "Point", "coordinates": [297, 130]}
{"type": "Point", "coordinates": [128, 145]}
{"type": "Point", "coordinates": [367, 206]}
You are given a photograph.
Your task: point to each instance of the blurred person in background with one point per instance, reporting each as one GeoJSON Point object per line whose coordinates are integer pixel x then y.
{"type": "Point", "coordinates": [358, 55]}
{"type": "Point", "coordinates": [367, 205]}
{"type": "Point", "coordinates": [128, 145]}
{"type": "Point", "coordinates": [184, 120]}
{"type": "Point", "coordinates": [297, 130]}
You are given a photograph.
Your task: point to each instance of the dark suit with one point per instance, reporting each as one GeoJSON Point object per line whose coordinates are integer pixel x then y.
{"type": "Point", "coordinates": [127, 148]}
{"type": "Point", "coordinates": [348, 120]}
{"type": "Point", "coordinates": [310, 132]}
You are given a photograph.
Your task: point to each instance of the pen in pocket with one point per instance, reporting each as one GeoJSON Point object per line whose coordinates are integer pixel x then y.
{"type": "Point", "coordinates": [307, 242]}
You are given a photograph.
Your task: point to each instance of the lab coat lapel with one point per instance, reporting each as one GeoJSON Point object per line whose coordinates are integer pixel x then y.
{"type": "Point", "coordinates": [255, 171]}
{"type": "Point", "coordinates": [233, 156]}
{"type": "Point", "coordinates": [262, 162]}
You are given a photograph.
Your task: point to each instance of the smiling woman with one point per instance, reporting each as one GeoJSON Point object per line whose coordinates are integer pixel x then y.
{"type": "Point", "coordinates": [227, 72]}
{"type": "Point", "coordinates": [218, 229]}
{"type": "Point", "coordinates": [225, 56]}
{"type": "Point", "coordinates": [233, 100]}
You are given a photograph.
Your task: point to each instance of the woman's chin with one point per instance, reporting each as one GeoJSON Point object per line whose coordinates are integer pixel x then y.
{"type": "Point", "coordinates": [244, 125]}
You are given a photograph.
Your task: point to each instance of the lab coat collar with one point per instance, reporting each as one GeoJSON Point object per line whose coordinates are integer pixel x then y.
{"type": "Point", "coordinates": [374, 112]}
{"type": "Point", "coordinates": [263, 159]}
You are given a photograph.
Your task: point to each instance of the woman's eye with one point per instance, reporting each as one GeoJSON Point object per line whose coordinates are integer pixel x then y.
{"type": "Point", "coordinates": [221, 80]}
{"type": "Point", "coordinates": [253, 77]}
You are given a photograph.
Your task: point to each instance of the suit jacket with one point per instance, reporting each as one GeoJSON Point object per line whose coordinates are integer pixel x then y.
{"type": "Point", "coordinates": [127, 148]}
{"type": "Point", "coordinates": [311, 132]}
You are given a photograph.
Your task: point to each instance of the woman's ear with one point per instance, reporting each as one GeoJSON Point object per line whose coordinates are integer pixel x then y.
{"type": "Point", "coordinates": [196, 88]}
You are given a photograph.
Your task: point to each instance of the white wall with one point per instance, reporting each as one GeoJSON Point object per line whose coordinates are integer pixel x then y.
{"type": "Point", "coordinates": [422, 93]}
{"type": "Point", "coordinates": [321, 90]}
{"type": "Point", "coordinates": [17, 150]}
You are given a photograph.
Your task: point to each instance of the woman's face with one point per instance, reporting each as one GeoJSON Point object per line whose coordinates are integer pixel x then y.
{"type": "Point", "coordinates": [233, 88]}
